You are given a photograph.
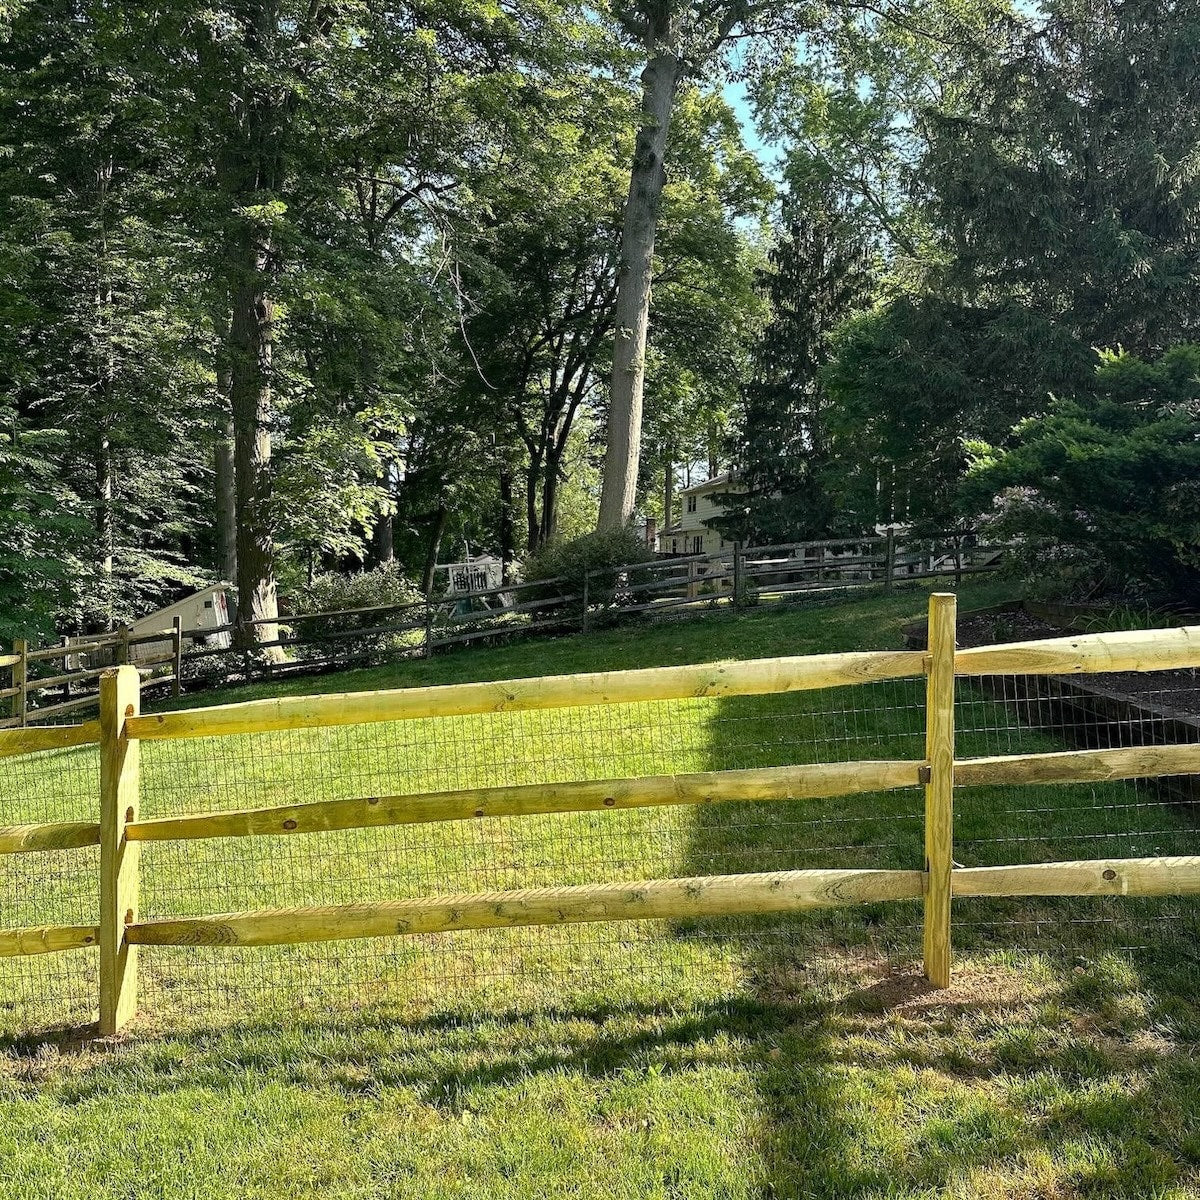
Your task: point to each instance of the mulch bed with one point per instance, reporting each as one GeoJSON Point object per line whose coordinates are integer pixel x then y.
{"type": "Point", "coordinates": [1175, 690]}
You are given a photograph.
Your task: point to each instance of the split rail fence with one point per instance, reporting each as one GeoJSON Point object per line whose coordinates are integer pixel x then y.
{"type": "Point", "coordinates": [49, 682]}
{"type": "Point", "coordinates": [120, 830]}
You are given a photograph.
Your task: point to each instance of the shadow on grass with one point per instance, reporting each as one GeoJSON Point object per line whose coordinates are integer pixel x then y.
{"type": "Point", "coordinates": [1064, 1070]}
{"type": "Point", "coordinates": [1058, 1074]}
{"type": "Point", "coordinates": [868, 1084]}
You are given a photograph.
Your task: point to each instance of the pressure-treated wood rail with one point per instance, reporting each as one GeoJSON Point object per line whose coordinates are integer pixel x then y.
{"type": "Point", "coordinates": [54, 835]}
{"type": "Point", "coordinates": [656, 899]}
{"type": "Point", "coordinates": [46, 939]}
{"type": "Point", "coordinates": [1079, 766]}
{"type": "Point", "coordinates": [1141, 650]}
{"type": "Point", "coordinates": [706, 787]}
{"type": "Point", "coordinates": [650, 899]}
{"type": "Point", "coordinates": [802, 782]}
{"type": "Point", "coordinates": [1174, 876]}
{"type": "Point", "coordinates": [753, 677]}
{"type": "Point", "coordinates": [48, 737]}
{"type": "Point", "coordinates": [1087, 653]}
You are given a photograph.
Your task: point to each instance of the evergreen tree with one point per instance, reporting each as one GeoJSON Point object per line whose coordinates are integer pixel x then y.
{"type": "Point", "coordinates": [99, 368]}
{"type": "Point", "coordinates": [1067, 176]}
{"type": "Point", "coordinates": [1102, 490]}
{"type": "Point", "coordinates": [821, 273]}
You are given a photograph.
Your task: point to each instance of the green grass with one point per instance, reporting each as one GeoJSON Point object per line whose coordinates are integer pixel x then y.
{"type": "Point", "coordinates": [788, 1058]}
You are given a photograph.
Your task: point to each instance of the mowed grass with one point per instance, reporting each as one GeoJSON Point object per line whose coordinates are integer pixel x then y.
{"type": "Point", "coordinates": [799, 1057]}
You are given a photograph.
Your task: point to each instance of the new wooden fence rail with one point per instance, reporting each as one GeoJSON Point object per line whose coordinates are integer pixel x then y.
{"type": "Point", "coordinates": [1174, 876]}
{"type": "Point", "coordinates": [642, 900]}
{"type": "Point", "coordinates": [754, 677]}
{"type": "Point", "coordinates": [120, 830]}
{"type": "Point", "coordinates": [46, 939]}
{"type": "Point", "coordinates": [809, 781]}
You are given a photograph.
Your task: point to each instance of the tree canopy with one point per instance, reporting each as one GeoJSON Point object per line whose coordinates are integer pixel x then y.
{"type": "Point", "coordinates": [295, 290]}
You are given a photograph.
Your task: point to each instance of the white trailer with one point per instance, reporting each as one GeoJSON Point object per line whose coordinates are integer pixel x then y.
{"type": "Point", "coordinates": [205, 609]}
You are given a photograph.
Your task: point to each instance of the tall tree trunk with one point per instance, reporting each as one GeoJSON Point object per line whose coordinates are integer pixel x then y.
{"type": "Point", "coordinates": [105, 525]}
{"type": "Point", "coordinates": [669, 488]}
{"type": "Point", "coordinates": [533, 524]}
{"type": "Point", "coordinates": [226, 499]}
{"type": "Point", "coordinates": [225, 506]}
{"type": "Point", "coordinates": [618, 492]}
{"type": "Point", "coordinates": [435, 544]}
{"type": "Point", "coordinates": [251, 344]}
{"type": "Point", "coordinates": [105, 517]}
{"type": "Point", "coordinates": [549, 521]}
{"type": "Point", "coordinates": [385, 540]}
{"type": "Point", "coordinates": [507, 532]}
{"type": "Point", "coordinates": [385, 526]}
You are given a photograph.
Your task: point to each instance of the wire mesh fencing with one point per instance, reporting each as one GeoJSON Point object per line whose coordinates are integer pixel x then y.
{"type": "Point", "coordinates": [1063, 822]}
{"type": "Point", "coordinates": [593, 963]}
{"type": "Point", "coordinates": [605, 963]}
{"type": "Point", "coordinates": [51, 887]}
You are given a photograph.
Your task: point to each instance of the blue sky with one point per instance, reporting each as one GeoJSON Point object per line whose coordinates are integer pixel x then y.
{"type": "Point", "coordinates": [735, 94]}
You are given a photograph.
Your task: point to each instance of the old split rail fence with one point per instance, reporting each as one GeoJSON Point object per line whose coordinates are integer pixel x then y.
{"type": "Point", "coordinates": [48, 683]}
{"type": "Point", "coordinates": [120, 934]}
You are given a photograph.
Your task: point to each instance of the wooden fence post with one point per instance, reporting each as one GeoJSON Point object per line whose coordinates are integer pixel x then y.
{"type": "Point", "coordinates": [583, 625]}
{"type": "Point", "coordinates": [939, 786]}
{"type": "Point", "coordinates": [889, 566]}
{"type": "Point", "coordinates": [737, 574]}
{"type": "Point", "coordinates": [428, 627]}
{"type": "Point", "coordinates": [20, 679]}
{"type": "Point", "coordinates": [119, 762]}
{"type": "Point", "coordinates": [177, 633]}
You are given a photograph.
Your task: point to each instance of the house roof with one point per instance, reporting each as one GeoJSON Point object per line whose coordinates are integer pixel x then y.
{"type": "Point", "coordinates": [725, 480]}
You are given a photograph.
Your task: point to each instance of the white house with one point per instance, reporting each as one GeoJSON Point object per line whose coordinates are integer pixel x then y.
{"type": "Point", "coordinates": [699, 505]}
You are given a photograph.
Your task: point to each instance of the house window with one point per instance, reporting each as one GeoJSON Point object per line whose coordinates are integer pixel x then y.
{"type": "Point", "coordinates": [691, 504]}
{"type": "Point", "coordinates": [698, 544]}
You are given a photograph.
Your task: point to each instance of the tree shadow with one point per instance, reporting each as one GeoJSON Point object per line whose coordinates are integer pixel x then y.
{"type": "Point", "coordinates": [1063, 1072]}
{"type": "Point", "coordinates": [890, 1087]}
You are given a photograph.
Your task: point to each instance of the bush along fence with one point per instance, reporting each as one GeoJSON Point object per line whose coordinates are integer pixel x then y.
{"type": "Point", "coordinates": [120, 831]}
{"type": "Point", "coordinates": [50, 682]}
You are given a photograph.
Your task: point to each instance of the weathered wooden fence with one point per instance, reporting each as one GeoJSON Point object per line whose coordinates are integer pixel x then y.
{"type": "Point", "coordinates": [50, 682]}
{"type": "Point", "coordinates": [120, 830]}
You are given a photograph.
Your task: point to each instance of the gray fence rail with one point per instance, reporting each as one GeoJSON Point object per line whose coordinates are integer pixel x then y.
{"type": "Point", "coordinates": [51, 682]}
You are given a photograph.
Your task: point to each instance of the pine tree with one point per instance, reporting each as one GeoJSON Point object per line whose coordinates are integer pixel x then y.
{"type": "Point", "coordinates": [821, 273]}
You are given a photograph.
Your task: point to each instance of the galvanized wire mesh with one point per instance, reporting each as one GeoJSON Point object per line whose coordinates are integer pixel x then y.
{"type": "Point", "coordinates": [1064, 822]}
{"type": "Point", "coordinates": [54, 887]}
{"type": "Point", "coordinates": [594, 963]}
{"type": "Point", "coordinates": [601, 964]}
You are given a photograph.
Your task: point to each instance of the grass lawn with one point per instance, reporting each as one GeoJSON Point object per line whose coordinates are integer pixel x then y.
{"type": "Point", "coordinates": [798, 1057]}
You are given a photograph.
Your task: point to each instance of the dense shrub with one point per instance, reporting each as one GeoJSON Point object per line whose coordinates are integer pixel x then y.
{"type": "Point", "coordinates": [1104, 489]}
{"type": "Point", "coordinates": [334, 593]}
{"type": "Point", "coordinates": [602, 555]}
